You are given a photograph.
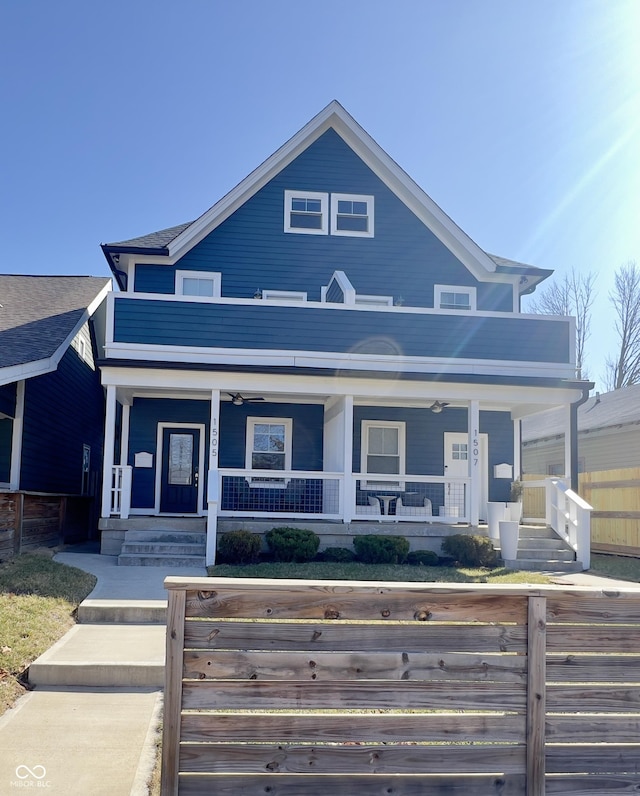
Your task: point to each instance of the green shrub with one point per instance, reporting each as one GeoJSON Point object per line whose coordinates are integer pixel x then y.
{"type": "Point", "coordinates": [470, 551]}
{"type": "Point", "coordinates": [292, 544]}
{"type": "Point", "coordinates": [423, 558]}
{"type": "Point", "coordinates": [340, 555]}
{"type": "Point", "coordinates": [372, 549]}
{"type": "Point", "coordinates": [239, 547]}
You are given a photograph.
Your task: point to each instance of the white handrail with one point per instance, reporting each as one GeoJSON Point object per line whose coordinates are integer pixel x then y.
{"type": "Point", "coordinates": [121, 490]}
{"type": "Point", "coordinates": [570, 517]}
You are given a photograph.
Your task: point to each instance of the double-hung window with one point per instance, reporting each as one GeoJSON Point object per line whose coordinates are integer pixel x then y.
{"type": "Point", "coordinates": [306, 212]}
{"type": "Point", "coordinates": [268, 447]}
{"type": "Point", "coordinates": [383, 453]}
{"type": "Point", "coordinates": [198, 284]}
{"type": "Point", "coordinates": [452, 297]}
{"type": "Point", "coordinates": [352, 214]}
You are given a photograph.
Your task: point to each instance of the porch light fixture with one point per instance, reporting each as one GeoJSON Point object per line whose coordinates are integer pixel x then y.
{"type": "Point", "coordinates": [438, 406]}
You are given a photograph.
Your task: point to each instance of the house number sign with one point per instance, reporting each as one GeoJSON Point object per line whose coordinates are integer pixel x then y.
{"type": "Point", "coordinates": [475, 447]}
{"type": "Point", "coordinates": [214, 439]}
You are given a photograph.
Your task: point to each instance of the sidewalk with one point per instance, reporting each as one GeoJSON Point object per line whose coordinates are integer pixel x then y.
{"type": "Point", "coordinates": [89, 727]}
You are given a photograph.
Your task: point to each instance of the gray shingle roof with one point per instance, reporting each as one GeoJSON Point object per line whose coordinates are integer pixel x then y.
{"type": "Point", "coordinates": [154, 240]}
{"type": "Point", "coordinates": [604, 410]}
{"type": "Point", "coordinates": [37, 313]}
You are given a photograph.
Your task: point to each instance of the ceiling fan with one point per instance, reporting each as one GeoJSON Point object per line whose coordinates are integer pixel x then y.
{"type": "Point", "coordinates": [239, 400]}
{"type": "Point", "coordinates": [438, 406]}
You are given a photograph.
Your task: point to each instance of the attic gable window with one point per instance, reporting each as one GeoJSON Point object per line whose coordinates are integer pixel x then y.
{"type": "Point", "coordinates": [352, 214]}
{"type": "Point", "coordinates": [306, 212]}
{"type": "Point", "coordinates": [453, 297]}
{"type": "Point", "coordinates": [202, 285]}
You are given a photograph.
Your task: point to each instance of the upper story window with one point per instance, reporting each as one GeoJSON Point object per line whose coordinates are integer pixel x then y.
{"type": "Point", "coordinates": [351, 214]}
{"type": "Point", "coordinates": [374, 301]}
{"type": "Point", "coordinates": [306, 212]}
{"type": "Point", "coordinates": [198, 284]}
{"type": "Point", "coordinates": [454, 297]}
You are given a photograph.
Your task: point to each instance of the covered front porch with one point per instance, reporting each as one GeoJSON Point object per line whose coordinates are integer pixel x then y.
{"type": "Point", "coordinates": [373, 449]}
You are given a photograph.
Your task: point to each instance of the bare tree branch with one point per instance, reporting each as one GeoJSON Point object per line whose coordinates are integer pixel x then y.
{"type": "Point", "coordinates": [624, 369]}
{"type": "Point", "coordinates": [573, 295]}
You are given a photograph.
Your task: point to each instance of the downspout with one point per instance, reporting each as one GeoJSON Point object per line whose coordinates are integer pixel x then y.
{"type": "Point", "coordinates": [573, 432]}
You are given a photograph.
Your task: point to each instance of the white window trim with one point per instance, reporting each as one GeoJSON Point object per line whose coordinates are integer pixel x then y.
{"type": "Point", "coordinates": [348, 197]}
{"type": "Point", "coordinates": [374, 301]}
{"type": "Point", "coordinates": [277, 482]}
{"type": "Point", "coordinates": [324, 210]}
{"type": "Point", "coordinates": [214, 276]}
{"type": "Point", "coordinates": [284, 295]}
{"type": "Point", "coordinates": [438, 290]}
{"type": "Point", "coordinates": [381, 485]}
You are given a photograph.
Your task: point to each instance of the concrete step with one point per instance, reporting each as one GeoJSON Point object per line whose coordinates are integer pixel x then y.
{"type": "Point", "coordinates": [552, 565]}
{"type": "Point", "coordinates": [174, 536]}
{"type": "Point", "coordinates": [159, 560]}
{"type": "Point", "coordinates": [545, 555]}
{"type": "Point", "coordinates": [162, 548]}
{"type": "Point", "coordinates": [103, 656]}
{"type": "Point", "coordinates": [123, 612]}
{"type": "Point", "coordinates": [542, 544]}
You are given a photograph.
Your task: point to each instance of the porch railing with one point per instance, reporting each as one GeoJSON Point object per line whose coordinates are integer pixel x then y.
{"type": "Point", "coordinates": [121, 491]}
{"type": "Point", "coordinates": [551, 501]}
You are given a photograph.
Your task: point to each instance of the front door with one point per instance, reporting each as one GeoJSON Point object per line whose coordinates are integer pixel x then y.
{"type": "Point", "coordinates": [180, 471]}
{"type": "Point", "coordinates": [456, 464]}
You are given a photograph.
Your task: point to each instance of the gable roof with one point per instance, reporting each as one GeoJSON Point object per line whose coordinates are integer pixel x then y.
{"type": "Point", "coordinates": [176, 241]}
{"type": "Point", "coordinates": [606, 410]}
{"type": "Point", "coordinates": [39, 316]}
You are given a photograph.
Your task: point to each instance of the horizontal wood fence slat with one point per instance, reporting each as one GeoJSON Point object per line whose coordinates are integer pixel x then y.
{"type": "Point", "coordinates": [309, 687]}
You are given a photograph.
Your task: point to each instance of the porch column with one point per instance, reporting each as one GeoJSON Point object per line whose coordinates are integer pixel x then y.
{"type": "Point", "coordinates": [124, 433]}
{"type": "Point", "coordinates": [474, 462]}
{"type": "Point", "coordinates": [16, 437]}
{"type": "Point", "coordinates": [213, 488]}
{"type": "Point", "coordinates": [109, 439]}
{"type": "Point", "coordinates": [349, 491]}
{"type": "Point", "coordinates": [517, 448]}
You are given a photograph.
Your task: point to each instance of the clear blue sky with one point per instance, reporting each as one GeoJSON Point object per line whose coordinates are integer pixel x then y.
{"type": "Point", "coordinates": [521, 119]}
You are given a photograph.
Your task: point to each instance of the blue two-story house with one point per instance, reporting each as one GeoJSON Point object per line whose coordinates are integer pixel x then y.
{"type": "Point", "coordinates": [323, 345]}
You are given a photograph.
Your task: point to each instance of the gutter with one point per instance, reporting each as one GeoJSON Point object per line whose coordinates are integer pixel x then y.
{"type": "Point", "coordinates": [573, 433]}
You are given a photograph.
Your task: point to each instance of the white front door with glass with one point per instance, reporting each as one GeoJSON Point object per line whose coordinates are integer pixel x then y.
{"type": "Point", "coordinates": [456, 465]}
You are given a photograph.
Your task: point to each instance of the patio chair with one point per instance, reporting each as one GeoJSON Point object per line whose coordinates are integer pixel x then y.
{"type": "Point", "coordinates": [413, 511]}
{"type": "Point", "coordinates": [373, 509]}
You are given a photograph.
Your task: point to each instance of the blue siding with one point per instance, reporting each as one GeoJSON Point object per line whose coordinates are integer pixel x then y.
{"type": "Point", "coordinates": [8, 399]}
{"type": "Point", "coordinates": [270, 327]}
{"type": "Point", "coordinates": [6, 431]}
{"type": "Point", "coordinates": [308, 422]}
{"type": "Point", "coordinates": [425, 439]}
{"type": "Point", "coordinates": [334, 293]}
{"type": "Point", "coordinates": [145, 415]}
{"type": "Point", "coordinates": [252, 251]}
{"type": "Point", "coordinates": [63, 410]}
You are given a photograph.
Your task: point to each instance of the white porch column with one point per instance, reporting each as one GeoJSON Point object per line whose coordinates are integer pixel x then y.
{"type": "Point", "coordinates": [16, 437]}
{"type": "Point", "coordinates": [213, 485]}
{"type": "Point", "coordinates": [517, 448]}
{"type": "Point", "coordinates": [109, 439]}
{"type": "Point", "coordinates": [124, 433]}
{"type": "Point", "coordinates": [349, 491]}
{"type": "Point", "coordinates": [474, 462]}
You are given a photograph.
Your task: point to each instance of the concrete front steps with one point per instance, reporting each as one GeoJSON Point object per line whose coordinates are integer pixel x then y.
{"type": "Point", "coordinates": [117, 644]}
{"type": "Point", "coordinates": [164, 547]}
{"type": "Point", "coordinates": [540, 549]}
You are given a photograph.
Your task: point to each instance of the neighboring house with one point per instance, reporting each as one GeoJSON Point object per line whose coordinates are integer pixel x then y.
{"type": "Point", "coordinates": [51, 405]}
{"type": "Point", "coordinates": [608, 435]}
{"type": "Point", "coordinates": [323, 344]}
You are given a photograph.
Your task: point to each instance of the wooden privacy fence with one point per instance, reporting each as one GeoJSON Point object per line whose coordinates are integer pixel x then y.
{"type": "Point", "coordinates": [302, 688]}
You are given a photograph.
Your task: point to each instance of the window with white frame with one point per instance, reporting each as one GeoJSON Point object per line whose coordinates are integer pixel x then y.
{"type": "Point", "coordinates": [454, 297]}
{"type": "Point", "coordinates": [198, 284]}
{"type": "Point", "coordinates": [352, 214]}
{"type": "Point", "coordinates": [383, 453]}
{"type": "Point", "coordinates": [306, 212]}
{"type": "Point", "coordinates": [269, 448]}
{"type": "Point", "coordinates": [284, 295]}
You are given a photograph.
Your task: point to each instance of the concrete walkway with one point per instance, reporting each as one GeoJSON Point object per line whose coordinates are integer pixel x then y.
{"type": "Point", "coordinates": [90, 724]}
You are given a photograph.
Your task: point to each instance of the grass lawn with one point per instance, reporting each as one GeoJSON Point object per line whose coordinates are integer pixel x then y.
{"type": "Point", "coordinates": [38, 600]}
{"type": "Point", "coordinates": [322, 570]}
{"type": "Point", "coordinates": [620, 567]}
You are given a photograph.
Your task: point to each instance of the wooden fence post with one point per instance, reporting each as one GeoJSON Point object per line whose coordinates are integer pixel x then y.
{"type": "Point", "coordinates": [173, 692]}
{"type": "Point", "coordinates": [536, 695]}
